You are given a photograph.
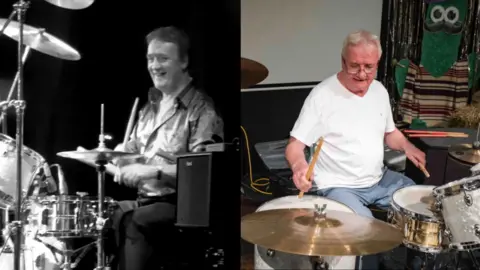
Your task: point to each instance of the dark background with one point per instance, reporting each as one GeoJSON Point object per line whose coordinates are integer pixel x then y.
{"type": "Point", "coordinates": [64, 97]}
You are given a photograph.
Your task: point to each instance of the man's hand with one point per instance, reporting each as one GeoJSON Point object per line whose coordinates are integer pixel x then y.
{"type": "Point", "coordinates": [299, 176]}
{"type": "Point", "coordinates": [415, 155]}
{"type": "Point", "coordinates": [131, 175]}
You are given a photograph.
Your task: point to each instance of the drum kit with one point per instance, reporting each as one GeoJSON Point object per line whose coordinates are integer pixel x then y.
{"type": "Point", "coordinates": [314, 232]}
{"type": "Point", "coordinates": [42, 221]}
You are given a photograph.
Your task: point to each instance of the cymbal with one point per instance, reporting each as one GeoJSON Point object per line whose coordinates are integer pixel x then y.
{"type": "Point", "coordinates": [465, 153]}
{"type": "Point", "coordinates": [71, 4]}
{"type": "Point", "coordinates": [39, 40]}
{"type": "Point", "coordinates": [297, 231]}
{"type": "Point", "coordinates": [252, 72]}
{"type": "Point", "coordinates": [98, 154]}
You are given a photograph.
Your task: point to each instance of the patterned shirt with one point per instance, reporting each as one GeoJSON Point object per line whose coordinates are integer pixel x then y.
{"type": "Point", "coordinates": [433, 99]}
{"type": "Point", "coordinates": [187, 126]}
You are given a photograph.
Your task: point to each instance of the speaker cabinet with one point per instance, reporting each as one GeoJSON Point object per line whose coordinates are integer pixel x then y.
{"type": "Point", "coordinates": [203, 188]}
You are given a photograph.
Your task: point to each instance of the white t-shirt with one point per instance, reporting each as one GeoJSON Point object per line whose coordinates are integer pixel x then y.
{"type": "Point", "coordinates": [353, 129]}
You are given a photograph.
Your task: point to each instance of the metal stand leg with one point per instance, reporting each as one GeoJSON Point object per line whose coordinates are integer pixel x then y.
{"type": "Point", "coordinates": [101, 196]}
{"type": "Point", "coordinates": [101, 199]}
{"type": "Point", "coordinates": [475, 263]}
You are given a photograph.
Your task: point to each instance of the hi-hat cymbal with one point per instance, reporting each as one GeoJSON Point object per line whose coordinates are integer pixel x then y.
{"type": "Point", "coordinates": [40, 40]}
{"type": "Point", "coordinates": [297, 231]}
{"type": "Point", "coordinates": [98, 154]}
{"type": "Point", "coordinates": [71, 4]}
{"type": "Point", "coordinates": [252, 72]}
{"type": "Point", "coordinates": [465, 153]}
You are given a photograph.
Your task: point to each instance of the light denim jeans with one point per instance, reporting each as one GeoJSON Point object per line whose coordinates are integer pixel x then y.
{"type": "Point", "coordinates": [359, 199]}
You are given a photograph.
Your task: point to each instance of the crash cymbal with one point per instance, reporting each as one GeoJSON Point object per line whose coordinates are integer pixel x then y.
{"type": "Point", "coordinates": [465, 153]}
{"type": "Point", "coordinates": [71, 4]}
{"type": "Point", "coordinates": [39, 40]}
{"type": "Point", "coordinates": [297, 231]}
{"type": "Point", "coordinates": [252, 72]}
{"type": "Point", "coordinates": [98, 154]}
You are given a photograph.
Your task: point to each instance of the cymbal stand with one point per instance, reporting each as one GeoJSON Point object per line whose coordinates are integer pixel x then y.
{"type": "Point", "coordinates": [4, 104]}
{"type": "Point", "coordinates": [10, 17]}
{"type": "Point", "coordinates": [21, 6]}
{"type": "Point", "coordinates": [68, 254]}
{"type": "Point", "coordinates": [100, 164]}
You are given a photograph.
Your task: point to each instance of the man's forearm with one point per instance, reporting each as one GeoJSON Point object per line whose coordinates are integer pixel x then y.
{"type": "Point", "coordinates": [395, 140]}
{"type": "Point", "coordinates": [294, 153]}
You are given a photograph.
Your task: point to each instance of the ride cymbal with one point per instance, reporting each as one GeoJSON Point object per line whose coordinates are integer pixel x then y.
{"type": "Point", "coordinates": [465, 153]}
{"type": "Point", "coordinates": [39, 40]}
{"type": "Point", "coordinates": [252, 72]}
{"type": "Point", "coordinates": [71, 4]}
{"type": "Point", "coordinates": [298, 231]}
{"type": "Point", "coordinates": [98, 154]}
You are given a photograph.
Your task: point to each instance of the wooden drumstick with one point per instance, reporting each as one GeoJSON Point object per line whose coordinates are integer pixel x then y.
{"type": "Point", "coordinates": [312, 163]}
{"type": "Point", "coordinates": [422, 168]}
{"type": "Point", "coordinates": [130, 122]}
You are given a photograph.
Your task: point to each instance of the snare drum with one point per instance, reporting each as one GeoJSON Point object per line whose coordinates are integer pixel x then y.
{"type": "Point", "coordinates": [66, 216]}
{"type": "Point", "coordinates": [266, 259]}
{"type": "Point", "coordinates": [459, 203]}
{"type": "Point", "coordinates": [412, 211]}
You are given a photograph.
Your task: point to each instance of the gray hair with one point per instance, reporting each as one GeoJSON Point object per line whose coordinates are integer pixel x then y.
{"type": "Point", "coordinates": [361, 37]}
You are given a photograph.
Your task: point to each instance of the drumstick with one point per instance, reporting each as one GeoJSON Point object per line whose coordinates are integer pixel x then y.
{"type": "Point", "coordinates": [312, 163]}
{"type": "Point", "coordinates": [422, 168]}
{"type": "Point", "coordinates": [130, 122]}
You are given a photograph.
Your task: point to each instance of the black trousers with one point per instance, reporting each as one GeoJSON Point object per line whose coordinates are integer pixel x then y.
{"type": "Point", "coordinates": [142, 234]}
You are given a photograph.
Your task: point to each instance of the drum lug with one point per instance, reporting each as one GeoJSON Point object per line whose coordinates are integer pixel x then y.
{"type": "Point", "coordinates": [448, 234]}
{"type": "Point", "coordinates": [389, 215]}
{"type": "Point", "coordinates": [319, 263]}
{"type": "Point", "coordinates": [467, 199]}
{"type": "Point", "coordinates": [438, 205]}
{"type": "Point", "coordinates": [476, 229]}
{"type": "Point", "coordinates": [82, 194]}
{"type": "Point", "coordinates": [270, 252]}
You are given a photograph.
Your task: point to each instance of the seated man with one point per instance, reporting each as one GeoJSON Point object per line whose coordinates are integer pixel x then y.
{"type": "Point", "coordinates": [178, 118]}
{"type": "Point", "coordinates": [351, 111]}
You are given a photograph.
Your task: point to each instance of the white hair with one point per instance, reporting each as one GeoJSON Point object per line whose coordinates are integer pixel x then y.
{"type": "Point", "coordinates": [361, 37]}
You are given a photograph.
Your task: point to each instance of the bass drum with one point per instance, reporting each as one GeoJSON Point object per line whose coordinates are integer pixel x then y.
{"type": "Point", "coordinates": [265, 259]}
{"type": "Point", "coordinates": [36, 254]}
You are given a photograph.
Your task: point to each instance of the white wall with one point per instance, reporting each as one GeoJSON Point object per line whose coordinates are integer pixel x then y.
{"type": "Point", "coordinates": [301, 40]}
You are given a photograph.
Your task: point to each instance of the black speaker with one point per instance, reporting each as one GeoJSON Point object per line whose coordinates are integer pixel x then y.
{"type": "Point", "coordinates": [201, 195]}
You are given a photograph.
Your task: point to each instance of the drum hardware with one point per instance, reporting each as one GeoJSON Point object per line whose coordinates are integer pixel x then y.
{"type": "Point", "coordinates": [318, 263]}
{"type": "Point", "coordinates": [270, 253]}
{"type": "Point", "coordinates": [68, 254]}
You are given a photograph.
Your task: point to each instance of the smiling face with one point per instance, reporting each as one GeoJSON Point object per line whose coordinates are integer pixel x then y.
{"type": "Point", "coordinates": [165, 65]}
{"type": "Point", "coordinates": [359, 67]}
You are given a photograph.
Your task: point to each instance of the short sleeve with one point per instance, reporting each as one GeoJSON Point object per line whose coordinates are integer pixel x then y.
{"type": "Point", "coordinates": [205, 127]}
{"type": "Point", "coordinates": [390, 125]}
{"type": "Point", "coordinates": [306, 128]}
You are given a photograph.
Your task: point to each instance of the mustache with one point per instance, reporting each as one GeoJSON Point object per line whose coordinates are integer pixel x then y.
{"type": "Point", "coordinates": [443, 26]}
